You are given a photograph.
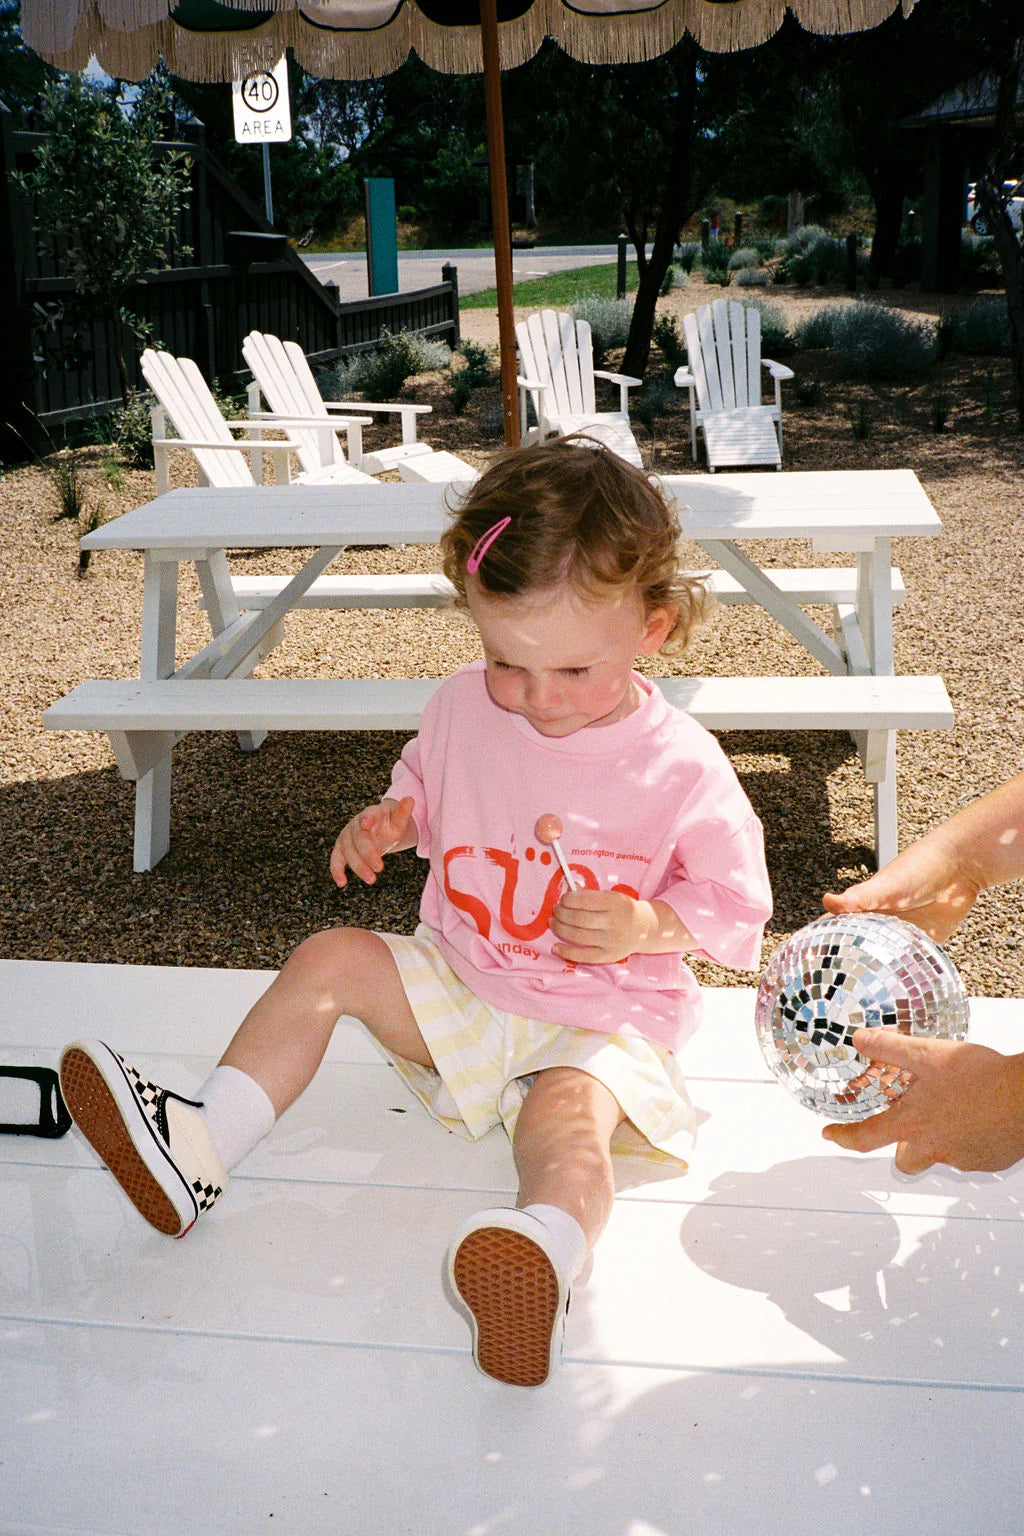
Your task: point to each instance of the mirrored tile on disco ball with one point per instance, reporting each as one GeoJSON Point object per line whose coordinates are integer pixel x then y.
{"type": "Point", "coordinates": [843, 973]}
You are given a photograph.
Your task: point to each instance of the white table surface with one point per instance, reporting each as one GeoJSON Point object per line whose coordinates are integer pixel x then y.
{"type": "Point", "coordinates": [785, 1340]}
{"type": "Point", "coordinates": [867, 503]}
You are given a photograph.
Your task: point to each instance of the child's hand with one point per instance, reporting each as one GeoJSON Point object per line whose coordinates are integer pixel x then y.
{"type": "Point", "coordinates": [378, 830]}
{"type": "Point", "coordinates": [599, 927]}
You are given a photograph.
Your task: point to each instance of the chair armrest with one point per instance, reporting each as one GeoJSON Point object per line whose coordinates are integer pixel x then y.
{"type": "Point", "coordinates": [625, 379]}
{"type": "Point", "coordinates": [377, 405]}
{"type": "Point", "coordinates": [406, 410]}
{"type": "Point", "coordinates": [777, 370]}
{"type": "Point", "coordinates": [240, 447]}
{"type": "Point", "coordinates": [530, 383]}
{"type": "Point", "coordinates": [684, 379]}
{"type": "Point", "coordinates": [270, 419]}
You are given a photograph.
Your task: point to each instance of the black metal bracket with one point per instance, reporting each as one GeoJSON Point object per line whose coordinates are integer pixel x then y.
{"type": "Point", "coordinates": [53, 1119]}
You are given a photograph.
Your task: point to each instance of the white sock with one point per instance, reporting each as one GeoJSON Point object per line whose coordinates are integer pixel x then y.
{"type": "Point", "coordinates": [237, 1111]}
{"type": "Point", "coordinates": [567, 1236]}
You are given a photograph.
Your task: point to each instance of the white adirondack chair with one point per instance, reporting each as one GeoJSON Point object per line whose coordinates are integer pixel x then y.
{"type": "Point", "coordinates": [284, 380]}
{"type": "Point", "coordinates": [556, 359]}
{"type": "Point", "coordinates": [184, 396]}
{"type": "Point", "coordinates": [723, 372]}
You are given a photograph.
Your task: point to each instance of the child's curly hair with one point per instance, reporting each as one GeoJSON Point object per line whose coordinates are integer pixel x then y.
{"type": "Point", "coordinates": [578, 515]}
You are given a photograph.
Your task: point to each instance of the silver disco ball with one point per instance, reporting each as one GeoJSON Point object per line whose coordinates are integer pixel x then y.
{"type": "Point", "coordinates": [844, 973]}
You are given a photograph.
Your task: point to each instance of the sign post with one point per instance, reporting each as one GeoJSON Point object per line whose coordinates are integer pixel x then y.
{"type": "Point", "coordinates": [262, 114]}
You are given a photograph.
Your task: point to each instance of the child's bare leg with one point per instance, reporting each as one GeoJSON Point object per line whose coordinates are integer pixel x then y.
{"type": "Point", "coordinates": [562, 1147]}
{"type": "Point", "coordinates": [172, 1156]}
{"type": "Point", "coordinates": [282, 1039]}
{"type": "Point", "coordinates": [513, 1268]}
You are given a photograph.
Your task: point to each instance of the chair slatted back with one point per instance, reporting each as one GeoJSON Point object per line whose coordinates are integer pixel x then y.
{"type": "Point", "coordinates": [186, 397]}
{"type": "Point", "coordinates": [272, 363]}
{"type": "Point", "coordinates": [558, 351]}
{"type": "Point", "coordinates": [723, 348]}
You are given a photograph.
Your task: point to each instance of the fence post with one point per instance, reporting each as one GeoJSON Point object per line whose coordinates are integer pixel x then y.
{"type": "Point", "coordinates": [737, 229]}
{"type": "Point", "coordinates": [18, 402]}
{"type": "Point", "coordinates": [450, 274]}
{"type": "Point", "coordinates": [851, 262]}
{"type": "Point", "coordinates": [705, 233]}
{"type": "Point", "coordinates": [620, 274]}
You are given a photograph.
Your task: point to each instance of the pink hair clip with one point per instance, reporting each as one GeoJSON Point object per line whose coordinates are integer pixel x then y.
{"type": "Point", "coordinates": [483, 544]}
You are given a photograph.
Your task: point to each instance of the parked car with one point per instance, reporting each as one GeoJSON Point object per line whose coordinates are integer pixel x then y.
{"type": "Point", "coordinates": [1014, 191]}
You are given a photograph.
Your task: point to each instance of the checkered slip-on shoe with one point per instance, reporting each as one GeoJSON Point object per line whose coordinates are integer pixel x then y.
{"type": "Point", "coordinates": [154, 1142]}
{"type": "Point", "coordinates": [502, 1264]}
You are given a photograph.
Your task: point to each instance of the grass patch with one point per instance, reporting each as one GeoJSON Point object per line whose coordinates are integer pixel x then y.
{"type": "Point", "coordinates": [559, 290]}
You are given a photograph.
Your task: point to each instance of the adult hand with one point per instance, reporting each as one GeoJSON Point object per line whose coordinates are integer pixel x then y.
{"type": "Point", "coordinates": [965, 1106]}
{"type": "Point", "coordinates": [925, 884]}
{"type": "Point", "coordinates": [364, 841]}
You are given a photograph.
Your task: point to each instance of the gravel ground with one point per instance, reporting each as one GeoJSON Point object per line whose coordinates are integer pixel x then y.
{"type": "Point", "coordinates": [247, 878]}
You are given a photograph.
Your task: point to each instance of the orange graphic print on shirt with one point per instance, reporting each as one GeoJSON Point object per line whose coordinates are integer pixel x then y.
{"type": "Point", "coordinates": [523, 927]}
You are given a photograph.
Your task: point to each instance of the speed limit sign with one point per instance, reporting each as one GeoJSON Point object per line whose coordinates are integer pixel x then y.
{"type": "Point", "coordinates": [260, 104]}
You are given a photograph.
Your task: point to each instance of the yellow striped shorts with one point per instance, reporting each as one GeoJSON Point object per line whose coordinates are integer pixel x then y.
{"type": "Point", "coordinates": [486, 1058]}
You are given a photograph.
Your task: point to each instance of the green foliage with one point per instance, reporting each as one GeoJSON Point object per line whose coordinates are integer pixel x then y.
{"type": "Point", "coordinates": [687, 254]}
{"type": "Point", "coordinates": [872, 341]}
{"type": "Point", "coordinates": [714, 260]}
{"type": "Point", "coordinates": [812, 256]}
{"type": "Point", "coordinates": [105, 199]}
{"type": "Point", "coordinates": [980, 329]}
{"type": "Point", "coordinates": [380, 373]}
{"type": "Point", "coordinates": [132, 431]}
{"type": "Point", "coordinates": [751, 277]}
{"type": "Point", "coordinates": [559, 290]}
{"type": "Point", "coordinates": [668, 340]}
{"type": "Point", "coordinates": [609, 321]}
{"type": "Point", "coordinates": [776, 340]}
{"type": "Point", "coordinates": [744, 256]}
{"type": "Point", "coordinates": [474, 375]}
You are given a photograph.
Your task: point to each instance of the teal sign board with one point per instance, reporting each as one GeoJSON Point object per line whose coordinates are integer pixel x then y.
{"type": "Point", "coordinates": [381, 234]}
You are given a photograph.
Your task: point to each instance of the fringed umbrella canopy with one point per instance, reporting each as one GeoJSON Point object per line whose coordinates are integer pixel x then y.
{"type": "Point", "coordinates": [361, 39]}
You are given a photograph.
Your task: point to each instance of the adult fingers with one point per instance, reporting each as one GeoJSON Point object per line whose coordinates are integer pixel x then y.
{"type": "Point", "coordinates": [911, 1160]}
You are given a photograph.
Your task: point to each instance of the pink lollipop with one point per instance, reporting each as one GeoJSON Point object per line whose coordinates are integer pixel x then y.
{"type": "Point", "coordinates": [548, 830]}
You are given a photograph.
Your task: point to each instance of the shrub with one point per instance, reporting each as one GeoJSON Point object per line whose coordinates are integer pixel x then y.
{"type": "Point", "coordinates": [745, 256]}
{"type": "Point", "coordinates": [132, 430]}
{"type": "Point", "coordinates": [776, 340]}
{"type": "Point", "coordinates": [651, 403]}
{"type": "Point", "coordinates": [980, 329]}
{"type": "Point", "coordinates": [751, 277]}
{"type": "Point", "coordinates": [873, 341]}
{"type": "Point", "coordinates": [474, 375]}
{"type": "Point", "coordinates": [714, 260]}
{"type": "Point", "coordinates": [812, 256]}
{"type": "Point", "coordinates": [668, 340]}
{"type": "Point", "coordinates": [609, 321]}
{"type": "Point", "coordinates": [687, 254]}
{"type": "Point", "coordinates": [382, 372]}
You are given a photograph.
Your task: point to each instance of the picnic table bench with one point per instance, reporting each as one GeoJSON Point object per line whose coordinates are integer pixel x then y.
{"type": "Point", "coordinates": [858, 511]}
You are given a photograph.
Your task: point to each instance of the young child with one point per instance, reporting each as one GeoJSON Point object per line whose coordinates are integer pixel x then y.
{"type": "Point", "coordinates": [555, 1011]}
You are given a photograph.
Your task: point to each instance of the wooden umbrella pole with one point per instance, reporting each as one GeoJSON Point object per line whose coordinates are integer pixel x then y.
{"type": "Point", "coordinates": [499, 218]}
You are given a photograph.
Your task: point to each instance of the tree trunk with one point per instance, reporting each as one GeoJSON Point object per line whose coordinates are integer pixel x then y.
{"type": "Point", "coordinates": [675, 208]}
{"type": "Point", "coordinates": [887, 195]}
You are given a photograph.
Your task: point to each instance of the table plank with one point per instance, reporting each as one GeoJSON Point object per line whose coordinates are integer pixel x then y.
{"type": "Point", "coordinates": [869, 503]}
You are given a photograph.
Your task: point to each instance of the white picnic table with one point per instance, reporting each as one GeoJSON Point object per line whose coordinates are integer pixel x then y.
{"type": "Point", "coordinates": [859, 512]}
{"type": "Point", "coordinates": [786, 1339]}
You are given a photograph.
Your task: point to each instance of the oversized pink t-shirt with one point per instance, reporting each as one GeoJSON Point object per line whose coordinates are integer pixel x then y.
{"type": "Point", "coordinates": [649, 805]}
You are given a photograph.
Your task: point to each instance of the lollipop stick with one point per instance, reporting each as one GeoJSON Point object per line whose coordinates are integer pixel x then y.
{"type": "Point", "coordinates": [548, 830]}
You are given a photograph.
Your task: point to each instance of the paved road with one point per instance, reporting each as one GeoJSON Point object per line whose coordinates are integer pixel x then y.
{"type": "Point", "coordinates": [418, 269]}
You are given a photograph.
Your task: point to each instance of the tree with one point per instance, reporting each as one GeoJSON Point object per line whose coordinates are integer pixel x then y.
{"type": "Point", "coordinates": [104, 195]}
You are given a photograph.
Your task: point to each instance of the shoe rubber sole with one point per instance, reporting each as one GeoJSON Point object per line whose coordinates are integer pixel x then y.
{"type": "Point", "coordinates": [510, 1286]}
{"type": "Point", "coordinates": [102, 1116]}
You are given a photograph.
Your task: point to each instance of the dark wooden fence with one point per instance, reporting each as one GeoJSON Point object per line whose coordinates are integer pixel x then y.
{"type": "Point", "coordinates": [232, 274]}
